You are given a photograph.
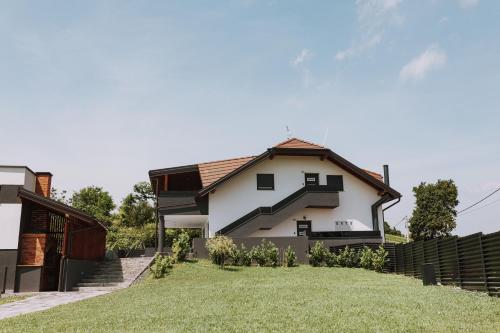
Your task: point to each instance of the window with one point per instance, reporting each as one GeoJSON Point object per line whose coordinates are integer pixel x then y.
{"type": "Point", "coordinates": [265, 181]}
{"type": "Point", "coordinates": [335, 182]}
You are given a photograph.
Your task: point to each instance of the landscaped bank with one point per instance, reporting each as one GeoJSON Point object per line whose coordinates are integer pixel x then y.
{"type": "Point", "coordinates": [200, 297]}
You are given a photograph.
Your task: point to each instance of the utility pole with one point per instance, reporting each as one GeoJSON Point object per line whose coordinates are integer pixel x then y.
{"type": "Point", "coordinates": [407, 225]}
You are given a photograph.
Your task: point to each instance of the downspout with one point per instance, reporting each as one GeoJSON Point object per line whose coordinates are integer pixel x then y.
{"type": "Point", "coordinates": [385, 198]}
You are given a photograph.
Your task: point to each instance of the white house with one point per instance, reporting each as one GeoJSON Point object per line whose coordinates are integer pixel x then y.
{"type": "Point", "coordinates": [293, 189]}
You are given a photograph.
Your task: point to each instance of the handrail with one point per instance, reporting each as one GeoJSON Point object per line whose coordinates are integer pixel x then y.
{"type": "Point", "coordinates": [271, 210]}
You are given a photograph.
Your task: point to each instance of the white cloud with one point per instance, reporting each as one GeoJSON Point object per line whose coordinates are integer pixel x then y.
{"type": "Point", "coordinates": [432, 58]}
{"type": "Point", "coordinates": [359, 48]}
{"type": "Point", "coordinates": [443, 20]}
{"type": "Point", "coordinates": [467, 4]}
{"type": "Point", "coordinates": [299, 62]}
{"type": "Point", "coordinates": [303, 56]}
{"type": "Point", "coordinates": [373, 18]}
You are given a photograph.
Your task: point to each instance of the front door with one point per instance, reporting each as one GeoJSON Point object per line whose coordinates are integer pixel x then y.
{"type": "Point", "coordinates": [312, 179]}
{"type": "Point", "coordinates": [304, 228]}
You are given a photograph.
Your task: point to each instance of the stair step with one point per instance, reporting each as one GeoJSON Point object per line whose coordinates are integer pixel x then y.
{"type": "Point", "coordinates": [97, 284]}
{"type": "Point", "coordinates": [94, 288]}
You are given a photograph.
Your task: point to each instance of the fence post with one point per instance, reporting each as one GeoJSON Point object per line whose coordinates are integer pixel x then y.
{"type": "Point", "coordinates": [458, 263]}
{"type": "Point", "coordinates": [485, 276]}
{"type": "Point", "coordinates": [436, 241]}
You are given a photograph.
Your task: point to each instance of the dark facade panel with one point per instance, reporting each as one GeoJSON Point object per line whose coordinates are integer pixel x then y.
{"type": "Point", "coordinates": [8, 194]}
{"type": "Point", "coordinates": [8, 261]}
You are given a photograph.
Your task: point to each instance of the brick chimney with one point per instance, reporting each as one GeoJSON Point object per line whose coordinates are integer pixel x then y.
{"type": "Point", "coordinates": [43, 183]}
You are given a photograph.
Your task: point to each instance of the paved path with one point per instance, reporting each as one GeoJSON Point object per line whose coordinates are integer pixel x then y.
{"type": "Point", "coordinates": [44, 301]}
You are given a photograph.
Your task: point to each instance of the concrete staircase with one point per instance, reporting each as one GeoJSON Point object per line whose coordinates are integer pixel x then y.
{"type": "Point", "coordinates": [114, 274]}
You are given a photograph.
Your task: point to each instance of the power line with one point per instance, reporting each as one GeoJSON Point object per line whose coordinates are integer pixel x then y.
{"type": "Point", "coordinates": [404, 218]}
{"type": "Point", "coordinates": [479, 208]}
{"type": "Point", "coordinates": [486, 197]}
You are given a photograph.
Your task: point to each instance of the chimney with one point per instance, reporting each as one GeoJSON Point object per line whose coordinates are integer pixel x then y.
{"type": "Point", "coordinates": [43, 183]}
{"type": "Point", "coordinates": [386, 175]}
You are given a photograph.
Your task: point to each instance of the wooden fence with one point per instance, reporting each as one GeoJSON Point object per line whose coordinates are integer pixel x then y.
{"type": "Point", "coordinates": [471, 262]}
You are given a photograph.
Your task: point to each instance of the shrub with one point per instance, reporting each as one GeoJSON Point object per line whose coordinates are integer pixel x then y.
{"type": "Point", "coordinates": [181, 246]}
{"type": "Point", "coordinates": [130, 238]}
{"type": "Point", "coordinates": [348, 257]}
{"type": "Point", "coordinates": [317, 254]}
{"type": "Point", "coordinates": [245, 256]}
{"type": "Point", "coordinates": [366, 258]}
{"type": "Point", "coordinates": [330, 259]}
{"type": "Point", "coordinates": [265, 254]}
{"type": "Point", "coordinates": [240, 256]}
{"type": "Point", "coordinates": [219, 249]}
{"type": "Point", "coordinates": [379, 259]}
{"type": "Point", "coordinates": [161, 265]}
{"type": "Point", "coordinates": [289, 257]}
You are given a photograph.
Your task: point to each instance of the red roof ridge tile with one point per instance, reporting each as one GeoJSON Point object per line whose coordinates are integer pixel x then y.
{"type": "Point", "coordinates": [307, 144]}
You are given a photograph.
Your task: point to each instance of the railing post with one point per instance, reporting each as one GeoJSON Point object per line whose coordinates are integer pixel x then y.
{"type": "Point", "coordinates": [485, 275]}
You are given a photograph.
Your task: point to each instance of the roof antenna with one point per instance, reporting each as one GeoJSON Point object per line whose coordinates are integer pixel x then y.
{"type": "Point", "coordinates": [288, 133]}
{"type": "Point", "coordinates": [325, 137]}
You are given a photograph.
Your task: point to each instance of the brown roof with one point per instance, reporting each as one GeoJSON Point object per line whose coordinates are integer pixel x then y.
{"type": "Point", "coordinates": [298, 143]}
{"type": "Point", "coordinates": [212, 171]}
{"type": "Point", "coordinates": [58, 207]}
{"type": "Point", "coordinates": [374, 174]}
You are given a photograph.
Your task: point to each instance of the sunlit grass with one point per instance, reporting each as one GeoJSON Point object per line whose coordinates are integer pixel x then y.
{"type": "Point", "coordinates": [199, 297]}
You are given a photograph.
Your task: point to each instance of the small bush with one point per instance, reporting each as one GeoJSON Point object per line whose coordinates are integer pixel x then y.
{"type": "Point", "coordinates": [219, 249]}
{"type": "Point", "coordinates": [330, 259]}
{"type": "Point", "coordinates": [265, 254]}
{"type": "Point", "coordinates": [317, 254]}
{"type": "Point", "coordinates": [181, 246]}
{"type": "Point", "coordinates": [348, 257]}
{"type": "Point", "coordinates": [289, 257]}
{"type": "Point", "coordinates": [241, 256]}
{"type": "Point", "coordinates": [379, 259]}
{"type": "Point", "coordinates": [366, 258]}
{"type": "Point", "coordinates": [161, 265]}
{"type": "Point", "coordinates": [245, 256]}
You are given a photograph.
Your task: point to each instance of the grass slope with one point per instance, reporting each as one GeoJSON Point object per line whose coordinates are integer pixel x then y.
{"type": "Point", "coordinates": [394, 238]}
{"type": "Point", "coordinates": [201, 298]}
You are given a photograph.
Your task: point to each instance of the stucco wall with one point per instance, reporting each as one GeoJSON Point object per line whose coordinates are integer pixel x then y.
{"type": "Point", "coordinates": [239, 196]}
{"type": "Point", "coordinates": [10, 214]}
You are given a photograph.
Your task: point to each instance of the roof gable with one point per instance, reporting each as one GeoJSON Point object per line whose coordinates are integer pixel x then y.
{"type": "Point", "coordinates": [298, 144]}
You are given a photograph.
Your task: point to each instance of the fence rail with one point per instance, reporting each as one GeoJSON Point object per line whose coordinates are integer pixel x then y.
{"type": "Point", "coordinates": [471, 262]}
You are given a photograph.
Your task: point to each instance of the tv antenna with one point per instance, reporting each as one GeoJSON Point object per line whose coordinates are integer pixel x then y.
{"type": "Point", "coordinates": [288, 133]}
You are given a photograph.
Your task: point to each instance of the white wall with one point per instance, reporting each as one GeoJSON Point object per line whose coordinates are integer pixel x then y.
{"type": "Point", "coordinates": [239, 195]}
{"type": "Point", "coordinates": [17, 176]}
{"type": "Point", "coordinates": [10, 217]}
{"type": "Point", "coordinates": [10, 214]}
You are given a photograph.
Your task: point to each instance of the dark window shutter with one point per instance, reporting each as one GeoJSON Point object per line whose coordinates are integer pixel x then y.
{"type": "Point", "coordinates": [335, 182]}
{"type": "Point", "coordinates": [265, 181]}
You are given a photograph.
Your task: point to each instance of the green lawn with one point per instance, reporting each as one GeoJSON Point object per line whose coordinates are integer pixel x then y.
{"type": "Point", "coordinates": [394, 238]}
{"type": "Point", "coordinates": [198, 297]}
{"type": "Point", "coordinates": [10, 299]}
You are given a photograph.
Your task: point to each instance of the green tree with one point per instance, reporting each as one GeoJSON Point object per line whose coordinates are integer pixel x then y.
{"type": "Point", "coordinates": [435, 210]}
{"type": "Point", "coordinates": [60, 196]}
{"type": "Point", "coordinates": [136, 208]}
{"type": "Point", "coordinates": [391, 230]}
{"type": "Point", "coordinates": [94, 201]}
{"type": "Point", "coordinates": [143, 191]}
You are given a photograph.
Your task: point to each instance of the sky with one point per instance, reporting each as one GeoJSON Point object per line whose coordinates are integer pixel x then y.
{"type": "Point", "coordinates": [100, 92]}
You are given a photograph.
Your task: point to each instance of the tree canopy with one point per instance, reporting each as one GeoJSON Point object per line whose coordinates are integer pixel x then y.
{"type": "Point", "coordinates": [136, 208]}
{"type": "Point", "coordinates": [435, 210]}
{"type": "Point", "coordinates": [94, 201]}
